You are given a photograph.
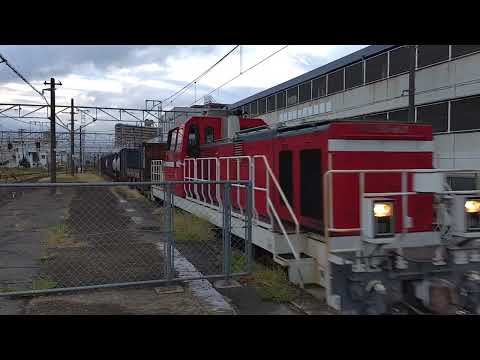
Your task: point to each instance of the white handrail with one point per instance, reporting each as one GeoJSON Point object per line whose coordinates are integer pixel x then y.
{"type": "Point", "coordinates": [270, 207]}
{"type": "Point", "coordinates": [280, 191]}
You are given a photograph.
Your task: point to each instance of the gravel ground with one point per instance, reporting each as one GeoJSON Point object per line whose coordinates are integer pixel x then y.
{"type": "Point", "coordinates": [104, 244]}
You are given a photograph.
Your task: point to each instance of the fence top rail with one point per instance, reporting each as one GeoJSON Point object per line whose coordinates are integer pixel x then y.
{"type": "Point", "coordinates": [366, 171]}
{"type": "Point", "coordinates": [112, 184]}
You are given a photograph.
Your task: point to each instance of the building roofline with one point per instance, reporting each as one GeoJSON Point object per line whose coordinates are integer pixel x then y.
{"type": "Point", "coordinates": [366, 52]}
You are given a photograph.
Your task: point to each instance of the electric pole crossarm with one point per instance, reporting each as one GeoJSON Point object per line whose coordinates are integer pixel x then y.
{"type": "Point", "coordinates": [33, 111]}
{"type": "Point", "coordinates": [105, 112]}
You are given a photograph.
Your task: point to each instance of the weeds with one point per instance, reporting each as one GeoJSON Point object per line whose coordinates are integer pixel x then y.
{"type": "Point", "coordinates": [239, 263]}
{"type": "Point", "coordinates": [43, 284]}
{"type": "Point", "coordinates": [272, 284]}
{"type": "Point", "coordinates": [191, 228]}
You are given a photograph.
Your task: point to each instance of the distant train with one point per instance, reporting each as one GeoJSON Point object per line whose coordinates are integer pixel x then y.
{"type": "Point", "coordinates": [132, 165]}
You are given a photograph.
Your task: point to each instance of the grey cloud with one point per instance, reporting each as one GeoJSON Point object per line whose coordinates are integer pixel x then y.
{"type": "Point", "coordinates": [41, 62]}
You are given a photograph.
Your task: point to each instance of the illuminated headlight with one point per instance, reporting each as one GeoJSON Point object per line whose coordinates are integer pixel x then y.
{"type": "Point", "coordinates": [383, 218]}
{"type": "Point", "coordinates": [382, 209]}
{"type": "Point", "coordinates": [472, 206]}
{"type": "Point", "coordinates": [472, 213]}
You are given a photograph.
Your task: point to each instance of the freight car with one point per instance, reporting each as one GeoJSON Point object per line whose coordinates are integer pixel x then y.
{"type": "Point", "coordinates": [356, 207]}
{"type": "Point", "coordinates": [133, 165]}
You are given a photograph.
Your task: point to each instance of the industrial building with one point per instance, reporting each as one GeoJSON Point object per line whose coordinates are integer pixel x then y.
{"type": "Point", "coordinates": [20, 153]}
{"type": "Point", "coordinates": [372, 84]}
{"type": "Point", "coordinates": [133, 136]}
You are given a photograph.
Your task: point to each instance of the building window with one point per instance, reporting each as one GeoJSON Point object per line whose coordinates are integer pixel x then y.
{"type": "Point", "coordinates": [399, 60]}
{"type": "Point", "coordinates": [253, 108]}
{"type": "Point", "coordinates": [280, 100]}
{"type": "Point", "coordinates": [376, 68]}
{"type": "Point", "coordinates": [460, 50]}
{"type": "Point", "coordinates": [209, 135]}
{"type": "Point", "coordinates": [305, 92]}
{"type": "Point", "coordinates": [354, 75]}
{"type": "Point", "coordinates": [431, 54]}
{"type": "Point", "coordinates": [319, 87]}
{"type": "Point", "coordinates": [262, 106]}
{"type": "Point", "coordinates": [271, 103]}
{"type": "Point", "coordinates": [335, 81]}
{"type": "Point", "coordinates": [464, 114]}
{"type": "Point", "coordinates": [375, 117]}
{"type": "Point", "coordinates": [292, 96]}
{"type": "Point", "coordinates": [436, 115]}
{"type": "Point", "coordinates": [246, 109]}
{"type": "Point", "coordinates": [398, 116]}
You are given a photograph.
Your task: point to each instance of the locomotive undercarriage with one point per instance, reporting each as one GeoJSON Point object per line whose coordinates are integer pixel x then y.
{"type": "Point", "coordinates": [437, 280]}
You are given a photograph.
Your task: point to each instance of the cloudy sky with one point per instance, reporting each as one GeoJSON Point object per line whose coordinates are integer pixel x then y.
{"type": "Point", "coordinates": [124, 76]}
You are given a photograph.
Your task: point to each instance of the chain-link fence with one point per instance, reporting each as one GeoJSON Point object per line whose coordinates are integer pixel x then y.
{"type": "Point", "coordinates": [70, 236]}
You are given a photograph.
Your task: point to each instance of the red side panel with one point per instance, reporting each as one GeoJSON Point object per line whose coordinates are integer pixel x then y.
{"type": "Point", "coordinates": [384, 131]}
{"type": "Point", "coordinates": [251, 123]}
{"type": "Point", "coordinates": [346, 186]}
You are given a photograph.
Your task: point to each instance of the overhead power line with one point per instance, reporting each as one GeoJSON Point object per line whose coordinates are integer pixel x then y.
{"type": "Point", "coordinates": [182, 90]}
{"type": "Point", "coordinates": [6, 62]}
{"type": "Point", "coordinates": [243, 72]}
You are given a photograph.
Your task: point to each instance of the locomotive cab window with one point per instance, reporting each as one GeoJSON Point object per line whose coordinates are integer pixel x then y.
{"type": "Point", "coordinates": [311, 188]}
{"type": "Point", "coordinates": [193, 141]}
{"type": "Point", "coordinates": [209, 135]}
{"type": "Point", "coordinates": [172, 139]}
{"type": "Point", "coordinates": [178, 148]}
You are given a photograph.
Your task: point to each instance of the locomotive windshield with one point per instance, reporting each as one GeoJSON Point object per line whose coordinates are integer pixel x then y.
{"type": "Point", "coordinates": [172, 139]}
{"type": "Point", "coordinates": [178, 148]}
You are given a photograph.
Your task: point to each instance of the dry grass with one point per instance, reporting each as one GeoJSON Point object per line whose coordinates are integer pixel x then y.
{"type": "Point", "coordinates": [130, 194]}
{"type": "Point", "coordinates": [20, 174]}
{"type": "Point", "coordinates": [58, 237]}
{"type": "Point", "coordinates": [187, 227]}
{"type": "Point", "coordinates": [82, 178]}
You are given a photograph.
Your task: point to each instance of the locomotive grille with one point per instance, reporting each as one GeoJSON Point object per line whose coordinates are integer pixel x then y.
{"type": "Point", "coordinates": [238, 148]}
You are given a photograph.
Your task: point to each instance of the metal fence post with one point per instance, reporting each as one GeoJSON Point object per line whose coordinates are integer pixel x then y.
{"type": "Point", "coordinates": [248, 227]}
{"type": "Point", "coordinates": [227, 227]}
{"type": "Point", "coordinates": [169, 248]}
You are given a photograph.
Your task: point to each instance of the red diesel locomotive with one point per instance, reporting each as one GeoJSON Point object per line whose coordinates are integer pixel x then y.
{"type": "Point", "coordinates": [362, 199]}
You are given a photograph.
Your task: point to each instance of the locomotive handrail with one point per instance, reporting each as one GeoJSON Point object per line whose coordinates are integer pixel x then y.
{"type": "Point", "coordinates": [238, 186]}
{"type": "Point", "coordinates": [285, 201]}
{"type": "Point", "coordinates": [270, 207]}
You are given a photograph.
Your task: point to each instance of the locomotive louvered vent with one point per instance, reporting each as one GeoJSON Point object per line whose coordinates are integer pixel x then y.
{"type": "Point", "coordinates": [238, 147]}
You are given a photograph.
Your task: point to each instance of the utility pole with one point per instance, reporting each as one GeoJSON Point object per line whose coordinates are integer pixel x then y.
{"type": "Point", "coordinates": [72, 139]}
{"type": "Point", "coordinates": [53, 140]}
{"type": "Point", "coordinates": [81, 154]}
{"type": "Point", "coordinates": [411, 85]}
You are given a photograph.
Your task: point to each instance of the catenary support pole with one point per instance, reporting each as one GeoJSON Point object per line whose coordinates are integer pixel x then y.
{"type": "Point", "coordinates": [411, 85]}
{"type": "Point", "coordinates": [72, 139]}
{"type": "Point", "coordinates": [53, 140]}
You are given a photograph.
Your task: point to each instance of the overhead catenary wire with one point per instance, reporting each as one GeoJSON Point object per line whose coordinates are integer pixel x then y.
{"type": "Point", "coordinates": [241, 73]}
{"type": "Point", "coordinates": [7, 63]}
{"type": "Point", "coordinates": [182, 90]}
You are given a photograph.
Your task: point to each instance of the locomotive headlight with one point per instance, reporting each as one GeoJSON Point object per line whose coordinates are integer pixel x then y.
{"type": "Point", "coordinates": [472, 206]}
{"type": "Point", "coordinates": [383, 209]}
{"type": "Point", "coordinates": [472, 213]}
{"type": "Point", "coordinates": [383, 218]}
